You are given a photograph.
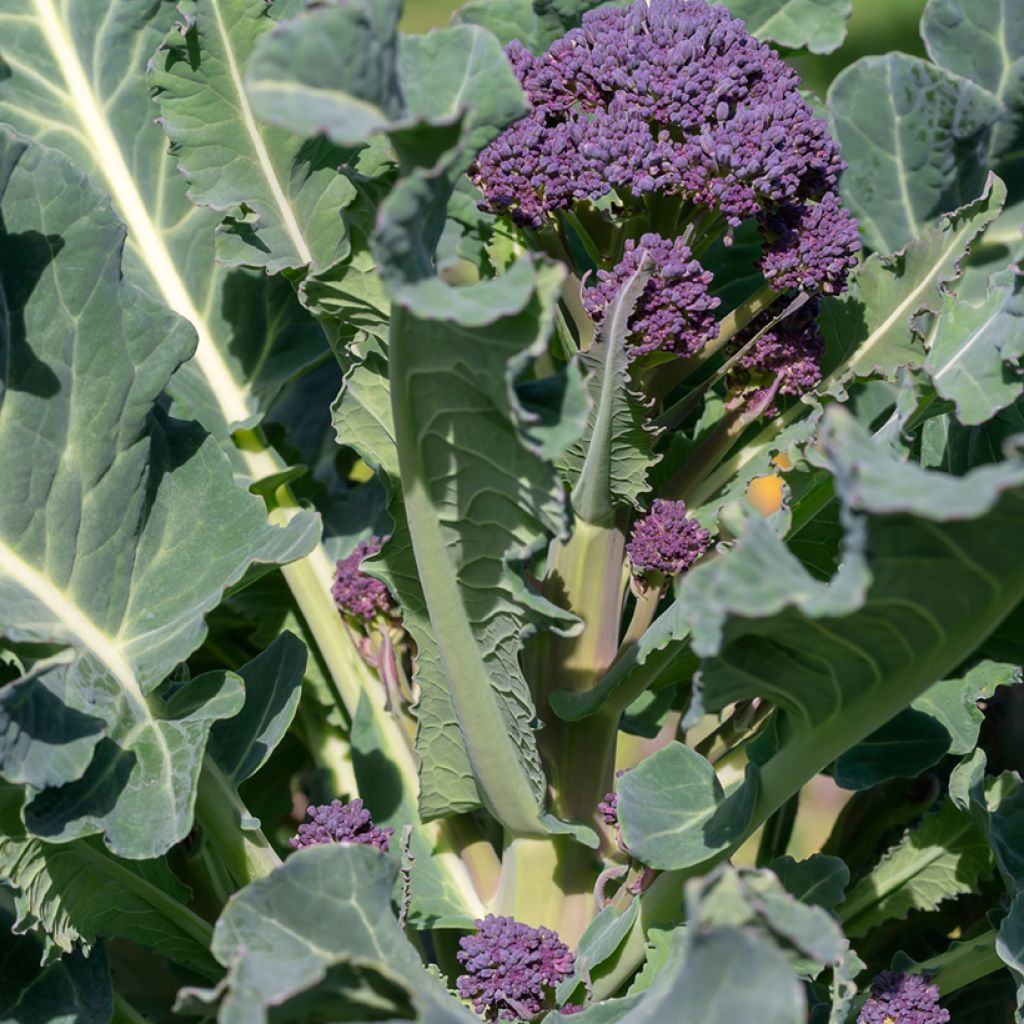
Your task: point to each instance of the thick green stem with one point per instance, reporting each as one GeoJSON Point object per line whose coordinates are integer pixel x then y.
{"type": "Point", "coordinates": [549, 882]}
{"type": "Point", "coordinates": [124, 1012]}
{"type": "Point", "coordinates": [220, 812]}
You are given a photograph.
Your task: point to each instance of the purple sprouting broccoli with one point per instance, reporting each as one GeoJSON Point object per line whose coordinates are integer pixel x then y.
{"type": "Point", "coordinates": [785, 359]}
{"type": "Point", "coordinates": [608, 808]}
{"type": "Point", "coordinates": [339, 822]}
{"type": "Point", "coordinates": [510, 968]}
{"type": "Point", "coordinates": [674, 97]}
{"type": "Point", "coordinates": [810, 246]}
{"type": "Point", "coordinates": [902, 999]}
{"type": "Point", "coordinates": [666, 540]}
{"type": "Point", "coordinates": [674, 313]}
{"type": "Point", "coordinates": [356, 593]}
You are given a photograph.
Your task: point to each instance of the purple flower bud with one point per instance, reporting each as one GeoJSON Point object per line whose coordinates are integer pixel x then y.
{"type": "Point", "coordinates": [788, 354]}
{"type": "Point", "coordinates": [902, 999]}
{"type": "Point", "coordinates": [812, 247]}
{"type": "Point", "coordinates": [674, 312]}
{"type": "Point", "coordinates": [355, 592]}
{"type": "Point", "coordinates": [510, 967]}
{"type": "Point", "coordinates": [341, 823]}
{"type": "Point", "coordinates": [666, 541]}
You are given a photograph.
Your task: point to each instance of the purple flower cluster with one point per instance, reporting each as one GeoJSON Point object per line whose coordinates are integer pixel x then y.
{"type": "Point", "coordinates": [675, 97]}
{"type": "Point", "coordinates": [811, 247]}
{"type": "Point", "coordinates": [666, 541]}
{"type": "Point", "coordinates": [337, 822]}
{"type": "Point", "coordinates": [355, 592]}
{"type": "Point", "coordinates": [902, 999]}
{"type": "Point", "coordinates": [608, 808]}
{"type": "Point", "coordinates": [786, 359]}
{"type": "Point", "coordinates": [509, 967]}
{"type": "Point", "coordinates": [675, 312]}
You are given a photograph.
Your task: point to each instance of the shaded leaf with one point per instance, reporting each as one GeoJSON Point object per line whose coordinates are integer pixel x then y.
{"type": "Point", "coordinates": [73, 990]}
{"type": "Point", "coordinates": [820, 880]}
{"type": "Point", "coordinates": [535, 23]}
{"type": "Point", "coordinates": [944, 857]}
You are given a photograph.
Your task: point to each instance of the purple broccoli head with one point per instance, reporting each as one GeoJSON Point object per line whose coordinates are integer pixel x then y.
{"type": "Point", "coordinates": [355, 592]}
{"type": "Point", "coordinates": [510, 966]}
{"type": "Point", "coordinates": [675, 97]}
{"type": "Point", "coordinates": [666, 541]}
{"type": "Point", "coordinates": [338, 822]}
{"type": "Point", "coordinates": [787, 357]}
{"type": "Point", "coordinates": [902, 999]}
{"type": "Point", "coordinates": [675, 312]}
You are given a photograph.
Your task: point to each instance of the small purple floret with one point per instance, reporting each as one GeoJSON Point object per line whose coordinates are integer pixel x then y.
{"type": "Point", "coordinates": [608, 808]}
{"type": "Point", "coordinates": [903, 999]}
{"type": "Point", "coordinates": [510, 967]}
{"type": "Point", "coordinates": [355, 592]}
{"type": "Point", "coordinates": [789, 353]}
{"type": "Point", "coordinates": [675, 311]}
{"type": "Point", "coordinates": [338, 822]}
{"type": "Point", "coordinates": [666, 541]}
{"type": "Point", "coordinates": [811, 247]}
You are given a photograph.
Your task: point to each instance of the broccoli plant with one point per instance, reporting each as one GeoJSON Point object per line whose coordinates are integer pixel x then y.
{"type": "Point", "coordinates": [510, 523]}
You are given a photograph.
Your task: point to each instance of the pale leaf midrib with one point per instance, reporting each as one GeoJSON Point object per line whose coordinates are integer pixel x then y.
{"type": "Point", "coordinates": [151, 247]}
{"type": "Point", "coordinates": [75, 620]}
{"type": "Point", "coordinates": [288, 218]}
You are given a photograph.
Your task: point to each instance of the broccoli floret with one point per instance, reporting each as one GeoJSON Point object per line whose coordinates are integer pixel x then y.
{"type": "Point", "coordinates": [356, 593]}
{"type": "Point", "coordinates": [666, 540]}
{"type": "Point", "coordinates": [339, 822]}
{"type": "Point", "coordinates": [902, 999]}
{"type": "Point", "coordinates": [509, 967]}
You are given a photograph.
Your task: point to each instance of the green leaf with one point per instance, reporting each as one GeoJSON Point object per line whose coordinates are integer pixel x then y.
{"type": "Point", "coordinates": [870, 330]}
{"type": "Point", "coordinates": [328, 907]}
{"type": "Point", "coordinates": [273, 685]}
{"type": "Point", "coordinates": [78, 83]}
{"type": "Point", "coordinates": [71, 894]}
{"type": "Point", "coordinates": [976, 349]}
{"type": "Point", "coordinates": [509, 498]}
{"type": "Point", "coordinates": [983, 41]}
{"type": "Point", "coordinates": [699, 982]}
{"type": "Point", "coordinates": [915, 137]}
{"type": "Point", "coordinates": [73, 990]}
{"type": "Point", "coordinates": [343, 72]}
{"type": "Point", "coordinates": [818, 25]}
{"type": "Point", "coordinates": [280, 196]}
{"type": "Point", "coordinates": [901, 749]}
{"type": "Point", "coordinates": [1010, 946]}
{"type": "Point", "coordinates": [362, 419]}
{"type": "Point", "coordinates": [145, 526]}
{"type": "Point", "coordinates": [674, 812]}
{"type": "Point", "coordinates": [599, 941]}
{"type": "Point", "coordinates": [607, 467]}
{"type": "Point", "coordinates": [944, 857]}
{"type": "Point", "coordinates": [820, 880]}
{"type": "Point", "coordinates": [535, 23]}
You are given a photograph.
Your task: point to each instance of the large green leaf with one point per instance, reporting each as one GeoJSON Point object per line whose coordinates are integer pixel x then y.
{"type": "Point", "coordinates": [607, 468]}
{"type": "Point", "coordinates": [820, 880]}
{"type": "Point", "coordinates": [327, 908]}
{"type": "Point", "coordinates": [70, 894]}
{"type": "Point", "coordinates": [479, 494]}
{"type": "Point", "coordinates": [74, 990]}
{"type": "Point", "coordinates": [281, 196]}
{"type": "Point", "coordinates": [976, 349]}
{"type": "Point", "coordinates": [870, 330]}
{"type": "Point", "coordinates": [944, 857]}
{"type": "Point", "coordinates": [144, 527]}
{"type": "Point", "coordinates": [535, 23]}
{"type": "Point", "coordinates": [1010, 947]}
{"type": "Point", "coordinates": [915, 137]}
{"type": "Point", "coordinates": [983, 40]}
{"type": "Point", "coordinates": [77, 82]}
{"type": "Point", "coordinates": [342, 72]}
{"type": "Point", "coordinates": [818, 25]}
